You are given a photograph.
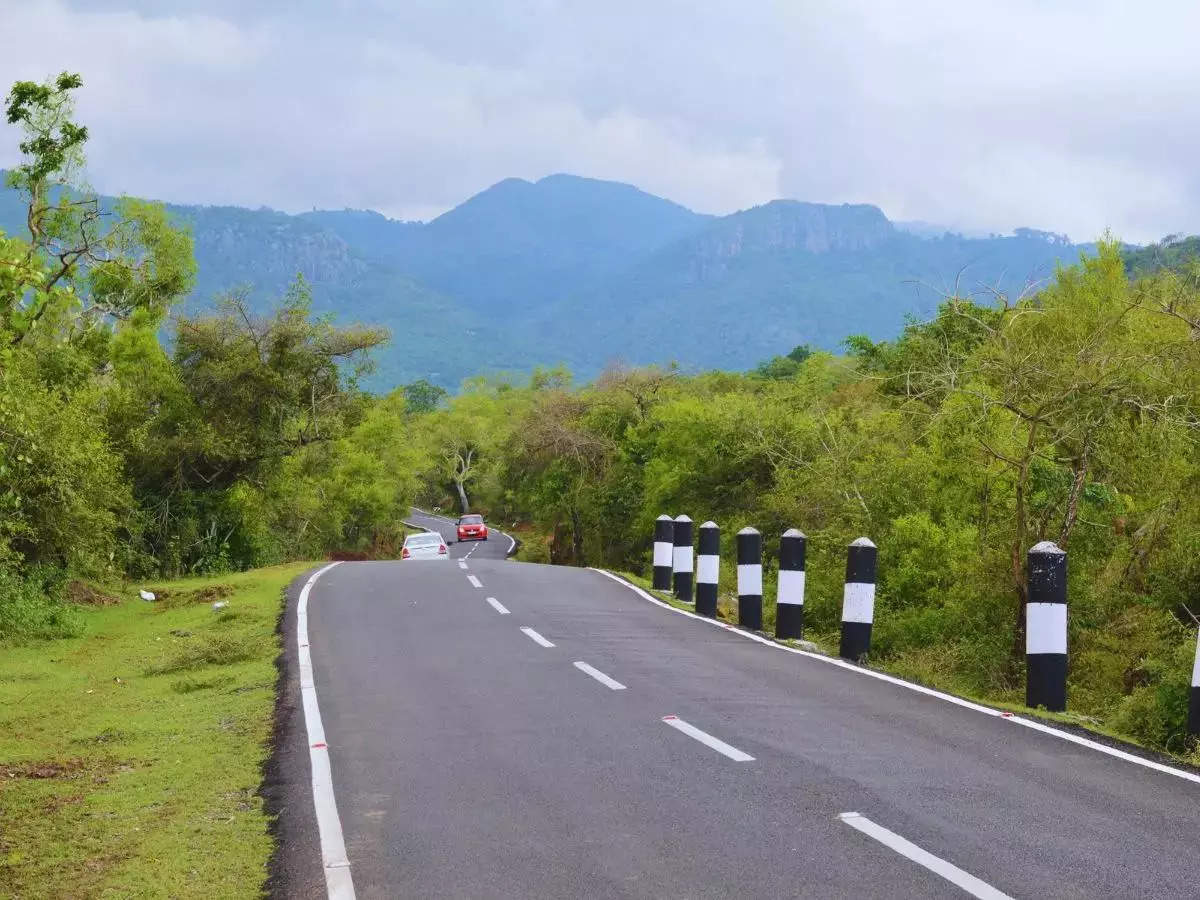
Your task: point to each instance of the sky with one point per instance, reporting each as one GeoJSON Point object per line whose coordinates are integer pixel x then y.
{"type": "Point", "coordinates": [985, 115]}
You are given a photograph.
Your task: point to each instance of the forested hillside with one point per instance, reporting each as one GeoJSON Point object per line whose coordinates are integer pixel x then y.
{"type": "Point", "coordinates": [513, 277]}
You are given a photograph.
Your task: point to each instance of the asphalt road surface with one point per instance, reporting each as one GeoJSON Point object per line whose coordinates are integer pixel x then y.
{"type": "Point", "coordinates": [497, 546]}
{"type": "Point", "coordinates": [513, 730]}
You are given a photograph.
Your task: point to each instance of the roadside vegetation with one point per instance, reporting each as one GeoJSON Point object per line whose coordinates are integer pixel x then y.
{"type": "Point", "coordinates": [139, 441]}
{"type": "Point", "coordinates": [138, 445]}
{"type": "Point", "coordinates": [1069, 415]}
{"type": "Point", "coordinates": [131, 755]}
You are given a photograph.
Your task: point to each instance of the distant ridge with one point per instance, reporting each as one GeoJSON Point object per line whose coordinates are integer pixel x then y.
{"type": "Point", "coordinates": [584, 271]}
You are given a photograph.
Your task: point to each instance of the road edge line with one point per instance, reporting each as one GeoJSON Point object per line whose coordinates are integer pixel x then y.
{"type": "Point", "coordinates": [339, 885]}
{"type": "Point", "coordinates": [916, 688]}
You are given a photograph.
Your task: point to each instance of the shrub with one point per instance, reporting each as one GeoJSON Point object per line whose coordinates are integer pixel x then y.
{"type": "Point", "coordinates": [34, 607]}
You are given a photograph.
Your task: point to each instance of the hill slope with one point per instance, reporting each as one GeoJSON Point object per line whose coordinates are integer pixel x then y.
{"type": "Point", "coordinates": [576, 270]}
{"type": "Point", "coordinates": [761, 281]}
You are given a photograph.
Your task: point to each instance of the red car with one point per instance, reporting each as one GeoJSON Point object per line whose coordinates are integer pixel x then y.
{"type": "Point", "coordinates": [471, 528]}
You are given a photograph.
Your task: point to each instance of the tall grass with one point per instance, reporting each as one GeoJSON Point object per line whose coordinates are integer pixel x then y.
{"type": "Point", "coordinates": [34, 607]}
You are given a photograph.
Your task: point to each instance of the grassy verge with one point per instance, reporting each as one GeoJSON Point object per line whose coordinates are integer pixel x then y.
{"type": "Point", "coordinates": [130, 756]}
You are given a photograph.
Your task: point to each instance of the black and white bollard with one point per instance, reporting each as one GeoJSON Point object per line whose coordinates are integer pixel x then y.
{"type": "Point", "coordinates": [1046, 628]}
{"type": "Point", "coordinates": [682, 558]}
{"type": "Point", "coordinates": [789, 605]}
{"type": "Point", "coordinates": [749, 578]}
{"type": "Point", "coordinates": [858, 599]}
{"type": "Point", "coordinates": [708, 569]}
{"type": "Point", "coordinates": [1194, 698]}
{"type": "Point", "coordinates": [664, 545]}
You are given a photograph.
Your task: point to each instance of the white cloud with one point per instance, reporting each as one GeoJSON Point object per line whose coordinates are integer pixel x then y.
{"type": "Point", "coordinates": [1071, 116]}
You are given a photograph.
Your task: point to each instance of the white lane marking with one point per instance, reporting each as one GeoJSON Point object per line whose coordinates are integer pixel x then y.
{"type": "Point", "coordinates": [497, 606]}
{"type": "Point", "coordinates": [462, 563]}
{"type": "Point", "coordinates": [475, 581]}
{"type": "Point", "coordinates": [512, 542]}
{"type": "Point", "coordinates": [918, 688]}
{"type": "Point", "coordinates": [599, 676]}
{"type": "Point", "coordinates": [935, 864]}
{"type": "Point", "coordinates": [535, 637]}
{"type": "Point", "coordinates": [338, 883]}
{"type": "Point", "coordinates": [707, 739]}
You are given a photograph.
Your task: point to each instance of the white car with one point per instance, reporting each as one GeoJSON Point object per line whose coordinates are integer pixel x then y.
{"type": "Point", "coordinates": [424, 545]}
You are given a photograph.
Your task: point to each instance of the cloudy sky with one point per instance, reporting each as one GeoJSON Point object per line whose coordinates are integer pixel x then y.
{"type": "Point", "coordinates": [1070, 115]}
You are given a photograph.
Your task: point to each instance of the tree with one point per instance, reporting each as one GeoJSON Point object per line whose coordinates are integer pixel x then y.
{"type": "Point", "coordinates": [83, 267]}
{"type": "Point", "coordinates": [422, 397]}
{"type": "Point", "coordinates": [84, 283]}
{"type": "Point", "coordinates": [1046, 385]}
{"type": "Point", "coordinates": [244, 391]}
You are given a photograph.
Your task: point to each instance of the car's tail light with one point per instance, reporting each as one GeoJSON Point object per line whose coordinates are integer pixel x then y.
{"type": "Point", "coordinates": [442, 548]}
{"type": "Point", "coordinates": [404, 554]}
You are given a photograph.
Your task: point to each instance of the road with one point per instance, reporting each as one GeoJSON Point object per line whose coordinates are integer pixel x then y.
{"type": "Point", "coordinates": [497, 546]}
{"type": "Point", "coordinates": [648, 754]}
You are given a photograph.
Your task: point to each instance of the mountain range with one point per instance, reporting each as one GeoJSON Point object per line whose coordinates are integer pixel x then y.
{"type": "Point", "coordinates": [586, 272]}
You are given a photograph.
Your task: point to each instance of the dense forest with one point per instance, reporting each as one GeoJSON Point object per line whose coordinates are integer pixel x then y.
{"type": "Point", "coordinates": [244, 438]}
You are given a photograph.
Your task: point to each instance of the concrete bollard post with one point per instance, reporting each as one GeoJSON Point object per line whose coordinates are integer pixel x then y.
{"type": "Point", "coordinates": [749, 578]}
{"type": "Point", "coordinates": [858, 599]}
{"type": "Point", "coordinates": [1193, 725]}
{"type": "Point", "coordinates": [682, 558]}
{"type": "Point", "coordinates": [708, 569]}
{"type": "Point", "coordinates": [789, 599]}
{"type": "Point", "coordinates": [1046, 627]}
{"type": "Point", "coordinates": [664, 542]}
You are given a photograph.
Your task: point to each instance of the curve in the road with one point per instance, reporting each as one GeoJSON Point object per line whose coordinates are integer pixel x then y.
{"type": "Point", "coordinates": [502, 548]}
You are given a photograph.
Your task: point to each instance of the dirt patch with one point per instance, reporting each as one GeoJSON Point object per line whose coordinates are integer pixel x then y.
{"type": "Point", "coordinates": [211, 593]}
{"type": "Point", "coordinates": [350, 556]}
{"type": "Point", "coordinates": [86, 595]}
{"type": "Point", "coordinates": [54, 804]}
{"type": "Point", "coordinates": [50, 769]}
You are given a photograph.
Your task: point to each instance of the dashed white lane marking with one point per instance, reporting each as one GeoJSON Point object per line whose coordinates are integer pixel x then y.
{"type": "Point", "coordinates": [935, 864]}
{"type": "Point", "coordinates": [535, 637]}
{"type": "Point", "coordinates": [918, 688]}
{"type": "Point", "coordinates": [599, 676]}
{"type": "Point", "coordinates": [707, 739]}
{"type": "Point", "coordinates": [338, 883]}
{"type": "Point", "coordinates": [497, 606]}
{"type": "Point", "coordinates": [462, 563]}
{"type": "Point", "coordinates": [475, 581]}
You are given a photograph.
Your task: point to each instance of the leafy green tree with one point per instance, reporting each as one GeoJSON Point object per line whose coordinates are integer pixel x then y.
{"type": "Point", "coordinates": [83, 267]}
{"type": "Point", "coordinates": [242, 393]}
{"type": "Point", "coordinates": [422, 397]}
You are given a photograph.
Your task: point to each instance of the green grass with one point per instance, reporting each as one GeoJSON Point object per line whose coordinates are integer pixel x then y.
{"type": "Point", "coordinates": [131, 756]}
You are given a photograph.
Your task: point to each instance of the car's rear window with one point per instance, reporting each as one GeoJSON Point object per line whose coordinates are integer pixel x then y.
{"type": "Point", "coordinates": [471, 520]}
{"type": "Point", "coordinates": [424, 540]}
